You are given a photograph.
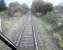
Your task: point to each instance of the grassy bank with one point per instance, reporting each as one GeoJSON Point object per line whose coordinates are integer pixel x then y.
{"type": "Point", "coordinates": [6, 24]}
{"type": "Point", "coordinates": [56, 24]}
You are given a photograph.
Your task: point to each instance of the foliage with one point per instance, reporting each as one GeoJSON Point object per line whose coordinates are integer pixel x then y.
{"type": "Point", "coordinates": [59, 39]}
{"type": "Point", "coordinates": [41, 7]}
{"type": "Point", "coordinates": [3, 13]}
{"type": "Point", "coordinates": [52, 19]}
{"type": "Point", "coordinates": [6, 24]}
{"type": "Point", "coordinates": [15, 6]}
{"type": "Point", "coordinates": [24, 8]}
{"type": "Point", "coordinates": [49, 6]}
{"type": "Point", "coordinates": [2, 5]}
{"type": "Point", "coordinates": [12, 7]}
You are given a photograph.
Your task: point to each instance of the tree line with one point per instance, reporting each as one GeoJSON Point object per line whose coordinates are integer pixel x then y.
{"type": "Point", "coordinates": [2, 5]}
{"type": "Point", "coordinates": [37, 6]}
{"type": "Point", "coordinates": [41, 7]}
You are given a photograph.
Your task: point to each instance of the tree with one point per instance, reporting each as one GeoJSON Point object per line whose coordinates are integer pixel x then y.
{"type": "Point", "coordinates": [24, 8]}
{"type": "Point", "coordinates": [2, 5]}
{"type": "Point", "coordinates": [49, 7]}
{"type": "Point", "coordinates": [15, 7]}
{"type": "Point", "coordinates": [41, 7]}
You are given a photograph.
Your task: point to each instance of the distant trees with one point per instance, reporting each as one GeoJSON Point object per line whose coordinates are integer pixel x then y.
{"type": "Point", "coordinates": [15, 7]}
{"type": "Point", "coordinates": [24, 8]}
{"type": "Point", "coordinates": [2, 5]}
{"type": "Point", "coordinates": [59, 9]}
{"type": "Point", "coordinates": [12, 7]}
{"type": "Point", "coordinates": [48, 6]}
{"type": "Point", "coordinates": [41, 7]}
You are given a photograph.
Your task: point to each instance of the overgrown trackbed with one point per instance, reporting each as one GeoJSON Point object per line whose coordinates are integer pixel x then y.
{"type": "Point", "coordinates": [28, 33]}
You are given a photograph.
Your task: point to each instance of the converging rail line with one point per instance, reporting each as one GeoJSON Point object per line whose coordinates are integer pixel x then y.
{"type": "Point", "coordinates": [29, 33]}
{"type": "Point", "coordinates": [26, 39]}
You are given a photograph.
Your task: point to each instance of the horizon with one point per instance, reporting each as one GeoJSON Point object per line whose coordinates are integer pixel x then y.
{"type": "Point", "coordinates": [29, 2]}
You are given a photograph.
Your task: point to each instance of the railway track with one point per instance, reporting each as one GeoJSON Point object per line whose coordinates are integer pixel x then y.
{"type": "Point", "coordinates": [26, 39]}
{"type": "Point", "coordinates": [29, 35]}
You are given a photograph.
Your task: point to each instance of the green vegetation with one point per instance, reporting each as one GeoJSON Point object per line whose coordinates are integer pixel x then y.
{"type": "Point", "coordinates": [3, 13]}
{"type": "Point", "coordinates": [59, 39]}
{"type": "Point", "coordinates": [15, 7]}
{"type": "Point", "coordinates": [2, 5]}
{"type": "Point", "coordinates": [56, 23]}
{"type": "Point", "coordinates": [53, 19]}
{"type": "Point", "coordinates": [6, 24]}
{"type": "Point", "coordinates": [5, 21]}
{"type": "Point", "coordinates": [41, 7]}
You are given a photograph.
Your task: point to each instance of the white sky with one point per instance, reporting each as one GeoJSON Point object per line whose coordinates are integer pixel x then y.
{"type": "Point", "coordinates": [29, 2]}
{"type": "Point", "coordinates": [54, 2]}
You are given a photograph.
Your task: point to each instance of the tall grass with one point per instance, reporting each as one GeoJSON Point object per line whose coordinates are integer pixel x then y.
{"type": "Point", "coordinates": [56, 23]}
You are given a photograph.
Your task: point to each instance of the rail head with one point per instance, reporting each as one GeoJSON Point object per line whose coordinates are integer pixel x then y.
{"type": "Point", "coordinates": [35, 40]}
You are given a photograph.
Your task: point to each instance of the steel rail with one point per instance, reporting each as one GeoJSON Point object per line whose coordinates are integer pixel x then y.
{"type": "Point", "coordinates": [34, 36]}
{"type": "Point", "coordinates": [35, 40]}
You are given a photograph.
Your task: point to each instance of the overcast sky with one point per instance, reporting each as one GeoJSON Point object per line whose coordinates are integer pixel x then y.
{"type": "Point", "coordinates": [54, 2]}
{"type": "Point", "coordinates": [29, 2]}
